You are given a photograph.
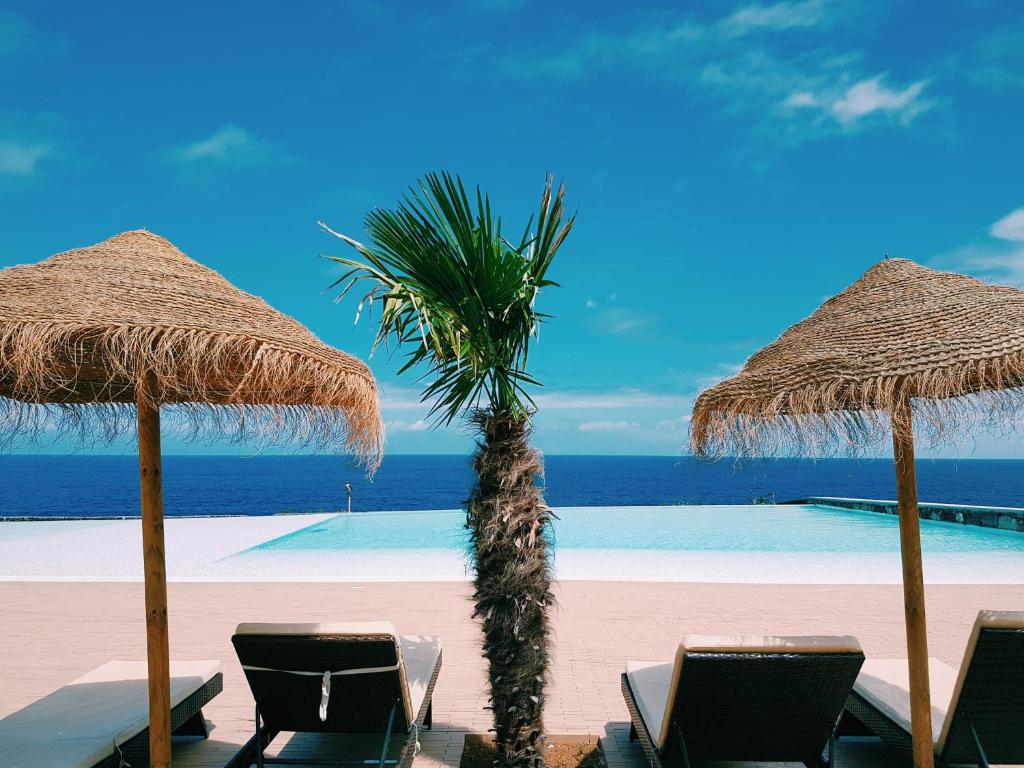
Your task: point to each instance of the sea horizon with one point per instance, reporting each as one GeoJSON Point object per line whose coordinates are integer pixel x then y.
{"type": "Point", "coordinates": [91, 485]}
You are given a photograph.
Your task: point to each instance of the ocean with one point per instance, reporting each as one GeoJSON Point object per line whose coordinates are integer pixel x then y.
{"type": "Point", "coordinates": [99, 486]}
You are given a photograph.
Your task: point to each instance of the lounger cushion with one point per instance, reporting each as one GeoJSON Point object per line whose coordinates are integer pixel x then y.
{"type": "Point", "coordinates": [420, 654]}
{"type": "Point", "coordinates": [885, 685]}
{"type": "Point", "coordinates": [655, 684]}
{"type": "Point", "coordinates": [650, 682]}
{"type": "Point", "coordinates": [76, 726]}
{"type": "Point", "coordinates": [311, 629]}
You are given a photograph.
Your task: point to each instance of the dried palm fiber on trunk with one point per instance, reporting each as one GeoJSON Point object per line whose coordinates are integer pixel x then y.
{"type": "Point", "coordinates": [510, 527]}
{"type": "Point", "coordinates": [950, 342]}
{"type": "Point", "coordinates": [78, 329]}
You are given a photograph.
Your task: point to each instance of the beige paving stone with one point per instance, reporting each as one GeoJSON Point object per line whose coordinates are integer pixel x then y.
{"type": "Point", "coordinates": [51, 633]}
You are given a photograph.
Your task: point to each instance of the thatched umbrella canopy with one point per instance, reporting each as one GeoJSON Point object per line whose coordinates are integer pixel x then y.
{"type": "Point", "coordinates": [847, 375]}
{"type": "Point", "coordinates": [95, 338]}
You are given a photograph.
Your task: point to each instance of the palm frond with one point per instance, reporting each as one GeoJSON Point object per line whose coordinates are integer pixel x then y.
{"type": "Point", "coordinates": [455, 294]}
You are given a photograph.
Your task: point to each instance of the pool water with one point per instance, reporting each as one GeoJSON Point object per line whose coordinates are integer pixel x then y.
{"type": "Point", "coordinates": [723, 529]}
{"type": "Point", "coordinates": [784, 544]}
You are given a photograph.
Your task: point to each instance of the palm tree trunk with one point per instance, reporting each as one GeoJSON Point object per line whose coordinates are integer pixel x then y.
{"type": "Point", "coordinates": [509, 525]}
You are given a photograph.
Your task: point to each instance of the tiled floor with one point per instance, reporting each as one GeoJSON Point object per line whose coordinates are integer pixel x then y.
{"type": "Point", "coordinates": [50, 633]}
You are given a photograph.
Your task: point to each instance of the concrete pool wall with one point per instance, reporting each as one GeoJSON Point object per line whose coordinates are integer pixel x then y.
{"type": "Point", "coordinates": [1003, 518]}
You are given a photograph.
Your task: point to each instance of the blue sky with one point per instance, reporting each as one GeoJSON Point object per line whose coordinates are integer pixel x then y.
{"type": "Point", "coordinates": [732, 163]}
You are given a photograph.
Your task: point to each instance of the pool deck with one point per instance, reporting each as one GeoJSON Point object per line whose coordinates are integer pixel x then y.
{"type": "Point", "coordinates": [51, 633]}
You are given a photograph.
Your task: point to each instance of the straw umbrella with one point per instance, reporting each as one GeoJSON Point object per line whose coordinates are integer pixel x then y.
{"type": "Point", "coordinates": [846, 376]}
{"type": "Point", "coordinates": [95, 338]}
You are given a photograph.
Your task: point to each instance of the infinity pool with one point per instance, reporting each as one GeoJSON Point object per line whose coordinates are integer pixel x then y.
{"type": "Point", "coordinates": [785, 544]}
{"type": "Point", "coordinates": [781, 528]}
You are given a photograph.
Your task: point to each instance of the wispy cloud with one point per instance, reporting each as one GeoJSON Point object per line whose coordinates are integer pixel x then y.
{"type": "Point", "coordinates": [864, 99]}
{"type": "Point", "coordinates": [420, 425]}
{"type": "Point", "coordinates": [401, 398]}
{"type": "Point", "coordinates": [994, 61]}
{"type": "Point", "coordinates": [610, 399]}
{"type": "Point", "coordinates": [1010, 227]}
{"type": "Point", "coordinates": [743, 61]}
{"type": "Point", "coordinates": [21, 159]}
{"type": "Point", "coordinates": [998, 257]}
{"type": "Point", "coordinates": [606, 316]}
{"type": "Point", "coordinates": [645, 420]}
{"type": "Point", "coordinates": [778, 16]}
{"type": "Point", "coordinates": [608, 426]}
{"type": "Point", "coordinates": [229, 145]}
{"type": "Point", "coordinates": [721, 372]}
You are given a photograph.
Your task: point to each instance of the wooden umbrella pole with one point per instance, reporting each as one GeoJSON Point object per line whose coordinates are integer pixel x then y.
{"type": "Point", "coordinates": [913, 585]}
{"type": "Point", "coordinates": [157, 644]}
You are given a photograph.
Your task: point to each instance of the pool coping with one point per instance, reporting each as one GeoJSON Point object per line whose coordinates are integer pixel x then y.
{"type": "Point", "coordinates": [1001, 518]}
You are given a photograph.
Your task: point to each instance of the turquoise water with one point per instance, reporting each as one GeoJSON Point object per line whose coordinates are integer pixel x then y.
{"type": "Point", "coordinates": [790, 528]}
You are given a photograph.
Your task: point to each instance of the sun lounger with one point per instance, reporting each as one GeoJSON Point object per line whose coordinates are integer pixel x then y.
{"type": "Point", "coordinates": [770, 699]}
{"type": "Point", "coordinates": [102, 718]}
{"type": "Point", "coordinates": [977, 712]}
{"type": "Point", "coordinates": [358, 678]}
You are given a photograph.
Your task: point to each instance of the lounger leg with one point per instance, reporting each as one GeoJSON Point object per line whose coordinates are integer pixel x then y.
{"type": "Point", "coordinates": [387, 736]}
{"type": "Point", "coordinates": [982, 759]}
{"type": "Point", "coordinates": [259, 740]}
{"type": "Point", "coordinates": [194, 726]}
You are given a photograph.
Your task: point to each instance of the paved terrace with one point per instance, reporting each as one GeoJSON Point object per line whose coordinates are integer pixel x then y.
{"type": "Point", "coordinates": [51, 633]}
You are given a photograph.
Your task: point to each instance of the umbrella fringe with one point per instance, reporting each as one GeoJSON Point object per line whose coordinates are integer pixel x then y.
{"type": "Point", "coordinates": [853, 417]}
{"type": "Point", "coordinates": [70, 379]}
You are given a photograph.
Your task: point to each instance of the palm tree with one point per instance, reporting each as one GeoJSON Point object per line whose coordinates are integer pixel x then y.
{"type": "Point", "coordinates": [460, 299]}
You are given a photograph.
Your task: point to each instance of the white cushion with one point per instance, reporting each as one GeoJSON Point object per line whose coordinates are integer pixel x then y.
{"type": "Point", "coordinates": [420, 654]}
{"type": "Point", "coordinates": [885, 684]}
{"type": "Point", "coordinates": [355, 628]}
{"type": "Point", "coordinates": [770, 644]}
{"type": "Point", "coordinates": [76, 726]}
{"type": "Point", "coordinates": [650, 682]}
{"type": "Point", "coordinates": [655, 683]}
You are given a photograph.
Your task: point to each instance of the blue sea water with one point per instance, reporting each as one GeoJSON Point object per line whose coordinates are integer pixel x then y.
{"type": "Point", "coordinates": [93, 486]}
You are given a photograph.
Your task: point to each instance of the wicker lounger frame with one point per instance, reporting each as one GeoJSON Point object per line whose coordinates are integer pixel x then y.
{"type": "Point", "coordinates": [979, 734]}
{"type": "Point", "coordinates": [252, 753]}
{"type": "Point", "coordinates": [840, 667]}
{"type": "Point", "coordinates": [186, 720]}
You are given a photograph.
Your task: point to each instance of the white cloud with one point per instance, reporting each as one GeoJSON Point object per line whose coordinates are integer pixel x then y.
{"type": "Point", "coordinates": [400, 398]}
{"type": "Point", "coordinates": [21, 159]}
{"type": "Point", "coordinates": [801, 99]}
{"type": "Point", "coordinates": [1010, 227]}
{"type": "Point", "coordinates": [778, 16]}
{"type": "Point", "coordinates": [617, 398]}
{"type": "Point", "coordinates": [681, 422]}
{"type": "Point", "coordinates": [722, 371]}
{"type": "Point", "coordinates": [608, 426]}
{"type": "Point", "coordinates": [871, 96]}
{"type": "Point", "coordinates": [229, 145]}
{"type": "Point", "coordinates": [621, 322]}
{"type": "Point", "coordinates": [408, 426]}
{"type": "Point", "coordinates": [1000, 257]}
{"type": "Point", "coordinates": [745, 61]}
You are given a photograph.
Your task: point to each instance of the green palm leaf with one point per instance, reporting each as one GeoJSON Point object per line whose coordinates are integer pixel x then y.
{"type": "Point", "coordinates": [456, 295]}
